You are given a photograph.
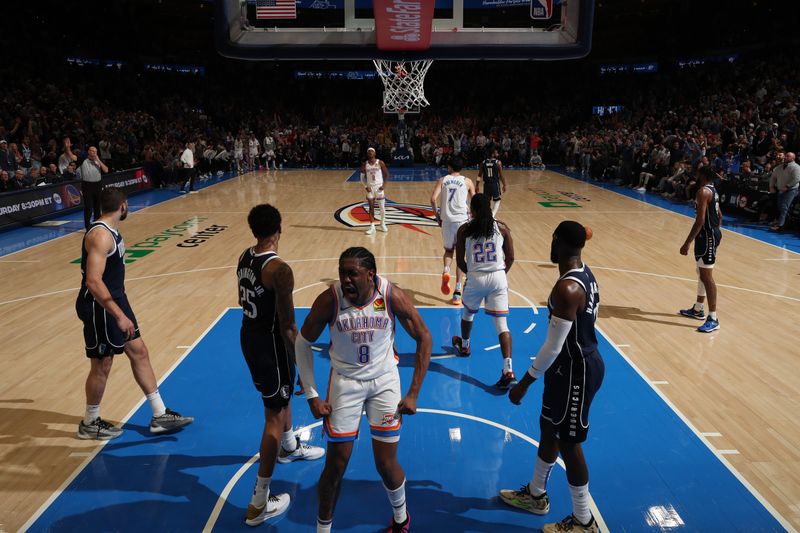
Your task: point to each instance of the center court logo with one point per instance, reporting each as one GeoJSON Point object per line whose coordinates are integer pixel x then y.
{"type": "Point", "coordinates": [407, 215]}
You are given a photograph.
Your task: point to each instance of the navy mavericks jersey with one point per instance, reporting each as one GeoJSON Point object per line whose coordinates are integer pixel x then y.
{"type": "Point", "coordinates": [491, 170]}
{"type": "Point", "coordinates": [258, 302]}
{"type": "Point", "coordinates": [581, 340]}
{"type": "Point", "coordinates": [114, 273]}
{"type": "Point", "coordinates": [711, 223]}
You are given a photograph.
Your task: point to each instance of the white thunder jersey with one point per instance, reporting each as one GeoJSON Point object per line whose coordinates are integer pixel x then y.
{"type": "Point", "coordinates": [374, 173]}
{"type": "Point", "coordinates": [454, 199]}
{"type": "Point", "coordinates": [486, 255]}
{"type": "Point", "coordinates": [362, 338]}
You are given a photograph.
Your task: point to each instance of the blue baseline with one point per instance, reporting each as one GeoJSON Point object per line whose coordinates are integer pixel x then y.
{"type": "Point", "coordinates": [17, 239]}
{"type": "Point", "coordinates": [644, 461]}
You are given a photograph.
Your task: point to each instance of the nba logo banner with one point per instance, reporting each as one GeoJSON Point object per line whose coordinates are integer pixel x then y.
{"type": "Point", "coordinates": [541, 9]}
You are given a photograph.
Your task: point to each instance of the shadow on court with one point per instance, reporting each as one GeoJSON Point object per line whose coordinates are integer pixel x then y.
{"type": "Point", "coordinates": [407, 361]}
{"type": "Point", "coordinates": [336, 228]}
{"type": "Point", "coordinates": [161, 484]}
{"type": "Point", "coordinates": [637, 315]}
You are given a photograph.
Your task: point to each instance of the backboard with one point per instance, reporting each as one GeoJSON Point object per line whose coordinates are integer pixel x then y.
{"type": "Point", "coordinates": [460, 29]}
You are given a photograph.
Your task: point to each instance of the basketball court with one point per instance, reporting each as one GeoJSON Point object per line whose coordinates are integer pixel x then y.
{"type": "Point", "coordinates": [690, 432]}
{"type": "Point", "coordinates": [685, 432]}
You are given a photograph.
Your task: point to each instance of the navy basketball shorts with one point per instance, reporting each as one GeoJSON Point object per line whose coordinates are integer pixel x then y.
{"type": "Point", "coordinates": [271, 368]}
{"type": "Point", "coordinates": [492, 190]}
{"type": "Point", "coordinates": [705, 248]}
{"type": "Point", "coordinates": [569, 388]}
{"type": "Point", "coordinates": [101, 334]}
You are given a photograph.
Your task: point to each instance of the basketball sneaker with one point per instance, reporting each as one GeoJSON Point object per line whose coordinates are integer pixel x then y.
{"type": "Point", "coordinates": [571, 523]}
{"type": "Point", "coordinates": [523, 499]}
{"type": "Point", "coordinates": [405, 527]}
{"type": "Point", "coordinates": [506, 381]}
{"type": "Point", "coordinates": [371, 230]}
{"type": "Point", "coordinates": [456, 298]}
{"type": "Point", "coordinates": [446, 283]}
{"type": "Point", "coordinates": [458, 344]}
{"type": "Point", "coordinates": [692, 313]}
{"type": "Point", "coordinates": [169, 421]}
{"type": "Point", "coordinates": [383, 227]}
{"type": "Point", "coordinates": [98, 429]}
{"type": "Point", "coordinates": [276, 505]}
{"type": "Point", "coordinates": [302, 452]}
{"type": "Point", "coordinates": [709, 326]}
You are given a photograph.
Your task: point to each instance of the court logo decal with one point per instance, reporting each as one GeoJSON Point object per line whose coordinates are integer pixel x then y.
{"type": "Point", "coordinates": [409, 216]}
{"type": "Point", "coordinates": [554, 200]}
{"type": "Point", "coordinates": [154, 242]}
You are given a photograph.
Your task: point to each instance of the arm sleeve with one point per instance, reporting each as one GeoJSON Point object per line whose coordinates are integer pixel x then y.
{"type": "Point", "coordinates": [363, 178]}
{"type": "Point", "coordinates": [305, 364]}
{"type": "Point", "coordinates": [557, 331]}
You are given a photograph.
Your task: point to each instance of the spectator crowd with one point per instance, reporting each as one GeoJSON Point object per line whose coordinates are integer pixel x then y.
{"type": "Point", "coordinates": [740, 118]}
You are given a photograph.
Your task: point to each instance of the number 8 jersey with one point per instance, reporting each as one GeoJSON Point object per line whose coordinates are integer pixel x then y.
{"type": "Point", "coordinates": [362, 338]}
{"type": "Point", "coordinates": [485, 255]}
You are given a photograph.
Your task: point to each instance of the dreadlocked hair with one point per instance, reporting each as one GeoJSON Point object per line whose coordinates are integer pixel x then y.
{"type": "Point", "coordinates": [482, 224]}
{"type": "Point", "coordinates": [364, 256]}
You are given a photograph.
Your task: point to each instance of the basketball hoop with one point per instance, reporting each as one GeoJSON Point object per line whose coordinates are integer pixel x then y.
{"type": "Point", "coordinates": [403, 84]}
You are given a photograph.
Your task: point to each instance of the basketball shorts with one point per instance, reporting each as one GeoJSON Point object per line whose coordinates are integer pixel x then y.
{"type": "Point", "coordinates": [492, 190]}
{"type": "Point", "coordinates": [271, 368]}
{"type": "Point", "coordinates": [351, 397]}
{"type": "Point", "coordinates": [375, 192]}
{"type": "Point", "coordinates": [569, 388]}
{"type": "Point", "coordinates": [450, 232]}
{"type": "Point", "coordinates": [491, 287]}
{"type": "Point", "coordinates": [101, 334]}
{"type": "Point", "coordinates": [705, 248]}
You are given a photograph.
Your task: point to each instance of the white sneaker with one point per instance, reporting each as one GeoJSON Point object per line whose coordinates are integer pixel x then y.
{"type": "Point", "coordinates": [276, 505]}
{"type": "Point", "coordinates": [383, 228]}
{"type": "Point", "coordinates": [371, 230]}
{"type": "Point", "coordinates": [303, 452]}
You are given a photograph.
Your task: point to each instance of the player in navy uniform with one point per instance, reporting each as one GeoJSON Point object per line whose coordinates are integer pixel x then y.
{"type": "Point", "coordinates": [573, 372]}
{"type": "Point", "coordinates": [491, 172]}
{"type": "Point", "coordinates": [706, 236]}
{"type": "Point", "coordinates": [109, 325]}
{"type": "Point", "coordinates": [267, 338]}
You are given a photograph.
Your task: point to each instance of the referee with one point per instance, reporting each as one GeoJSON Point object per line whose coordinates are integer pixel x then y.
{"type": "Point", "coordinates": [91, 185]}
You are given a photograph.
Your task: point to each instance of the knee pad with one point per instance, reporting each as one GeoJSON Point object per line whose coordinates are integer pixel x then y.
{"type": "Point", "coordinates": [500, 324]}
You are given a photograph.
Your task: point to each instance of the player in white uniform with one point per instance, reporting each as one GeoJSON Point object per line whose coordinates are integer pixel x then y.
{"type": "Point", "coordinates": [485, 251]}
{"type": "Point", "coordinates": [252, 152]}
{"type": "Point", "coordinates": [457, 191]}
{"type": "Point", "coordinates": [361, 310]}
{"type": "Point", "coordinates": [374, 175]}
{"type": "Point", "coordinates": [269, 152]}
{"type": "Point", "coordinates": [238, 152]}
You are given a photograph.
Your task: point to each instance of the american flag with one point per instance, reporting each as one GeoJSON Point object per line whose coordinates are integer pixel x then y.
{"type": "Point", "coordinates": [276, 9]}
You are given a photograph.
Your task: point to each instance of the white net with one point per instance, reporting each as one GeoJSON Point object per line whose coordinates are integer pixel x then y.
{"type": "Point", "coordinates": [403, 84]}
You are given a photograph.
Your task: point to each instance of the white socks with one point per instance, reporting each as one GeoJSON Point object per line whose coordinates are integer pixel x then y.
{"type": "Point", "coordinates": [289, 441]}
{"type": "Point", "coordinates": [382, 205]}
{"type": "Point", "coordinates": [507, 365]}
{"type": "Point", "coordinates": [156, 403]}
{"type": "Point", "coordinates": [458, 286]}
{"type": "Point", "coordinates": [92, 413]}
{"type": "Point", "coordinates": [698, 306]}
{"type": "Point", "coordinates": [541, 474]}
{"type": "Point", "coordinates": [324, 526]}
{"type": "Point", "coordinates": [446, 270]}
{"type": "Point", "coordinates": [397, 498]}
{"type": "Point", "coordinates": [495, 208]}
{"type": "Point", "coordinates": [465, 343]}
{"type": "Point", "coordinates": [261, 492]}
{"type": "Point", "coordinates": [712, 315]}
{"type": "Point", "coordinates": [580, 503]}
